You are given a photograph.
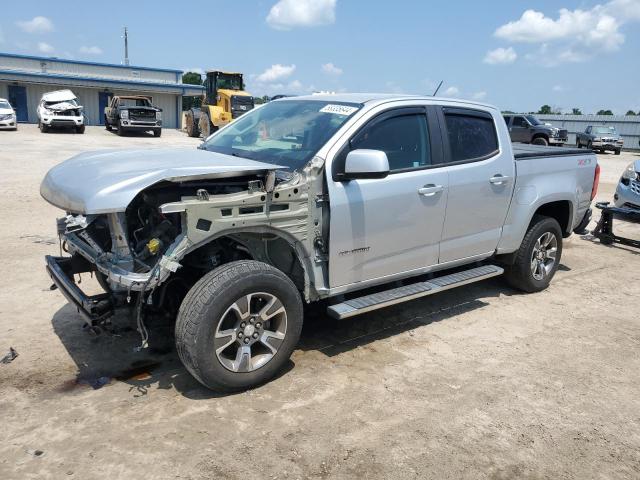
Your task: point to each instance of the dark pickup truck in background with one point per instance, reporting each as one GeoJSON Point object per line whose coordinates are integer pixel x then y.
{"type": "Point", "coordinates": [528, 129]}
{"type": "Point", "coordinates": [133, 113]}
{"type": "Point", "coordinates": [600, 137]}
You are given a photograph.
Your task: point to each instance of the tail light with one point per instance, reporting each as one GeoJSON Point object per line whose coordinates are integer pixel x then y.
{"type": "Point", "coordinates": [596, 180]}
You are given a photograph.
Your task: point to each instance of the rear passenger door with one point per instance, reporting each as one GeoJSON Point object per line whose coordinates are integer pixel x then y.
{"type": "Point", "coordinates": [481, 179]}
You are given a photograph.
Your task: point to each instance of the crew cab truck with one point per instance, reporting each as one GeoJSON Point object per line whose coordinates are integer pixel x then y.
{"type": "Point", "coordinates": [528, 129]}
{"type": "Point", "coordinates": [132, 113]}
{"type": "Point", "coordinates": [329, 197]}
{"type": "Point", "coordinates": [601, 138]}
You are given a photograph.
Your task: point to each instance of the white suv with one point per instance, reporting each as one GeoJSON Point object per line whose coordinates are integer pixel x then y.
{"type": "Point", "coordinates": [60, 109]}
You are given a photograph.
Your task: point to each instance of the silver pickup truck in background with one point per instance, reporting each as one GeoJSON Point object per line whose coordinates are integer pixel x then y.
{"type": "Point", "coordinates": [360, 200]}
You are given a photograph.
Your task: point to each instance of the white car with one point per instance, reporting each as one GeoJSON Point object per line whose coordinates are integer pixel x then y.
{"type": "Point", "coordinates": [60, 109]}
{"type": "Point", "coordinates": [7, 116]}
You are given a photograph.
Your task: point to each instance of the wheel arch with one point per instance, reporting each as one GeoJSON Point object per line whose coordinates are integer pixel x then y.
{"type": "Point", "coordinates": [287, 253]}
{"type": "Point", "coordinates": [560, 210]}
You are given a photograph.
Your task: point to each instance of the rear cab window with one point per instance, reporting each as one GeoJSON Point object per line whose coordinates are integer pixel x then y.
{"type": "Point", "coordinates": [471, 135]}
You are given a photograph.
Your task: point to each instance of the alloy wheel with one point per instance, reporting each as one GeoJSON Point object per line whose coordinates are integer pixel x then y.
{"type": "Point", "coordinates": [250, 332]}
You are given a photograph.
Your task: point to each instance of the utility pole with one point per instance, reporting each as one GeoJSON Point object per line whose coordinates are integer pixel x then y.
{"type": "Point", "coordinates": [126, 47]}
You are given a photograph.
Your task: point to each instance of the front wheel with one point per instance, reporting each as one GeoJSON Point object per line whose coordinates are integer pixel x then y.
{"type": "Point", "coordinates": [617, 152]}
{"type": "Point", "coordinates": [540, 141]}
{"type": "Point", "coordinates": [80, 129]}
{"type": "Point", "coordinates": [157, 132]}
{"type": "Point", "coordinates": [120, 129]}
{"type": "Point", "coordinates": [238, 325]}
{"type": "Point", "coordinates": [538, 257]}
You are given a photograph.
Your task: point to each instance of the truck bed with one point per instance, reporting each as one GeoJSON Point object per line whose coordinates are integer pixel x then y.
{"type": "Point", "coordinates": [524, 151]}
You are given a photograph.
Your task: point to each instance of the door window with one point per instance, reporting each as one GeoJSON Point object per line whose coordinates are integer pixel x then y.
{"type": "Point", "coordinates": [519, 122]}
{"type": "Point", "coordinates": [404, 138]}
{"type": "Point", "coordinates": [471, 136]}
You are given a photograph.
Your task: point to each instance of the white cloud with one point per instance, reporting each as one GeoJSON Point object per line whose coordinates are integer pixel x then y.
{"type": "Point", "coordinates": [287, 14]}
{"type": "Point", "coordinates": [331, 69]}
{"type": "Point", "coordinates": [275, 73]}
{"type": "Point", "coordinates": [294, 87]}
{"type": "Point", "coordinates": [479, 95]}
{"type": "Point", "coordinates": [500, 56]}
{"type": "Point", "coordinates": [44, 47]}
{"type": "Point", "coordinates": [575, 35]}
{"type": "Point", "coordinates": [91, 50]}
{"type": "Point", "coordinates": [36, 25]}
{"type": "Point", "coordinates": [451, 92]}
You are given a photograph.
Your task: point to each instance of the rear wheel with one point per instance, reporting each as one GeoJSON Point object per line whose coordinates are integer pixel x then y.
{"type": "Point", "coordinates": [538, 257]}
{"type": "Point", "coordinates": [540, 141]}
{"type": "Point", "coordinates": [238, 325]}
{"type": "Point", "coordinates": [578, 144]}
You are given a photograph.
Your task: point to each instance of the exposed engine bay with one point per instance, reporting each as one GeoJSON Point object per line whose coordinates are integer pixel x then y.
{"type": "Point", "coordinates": [173, 233]}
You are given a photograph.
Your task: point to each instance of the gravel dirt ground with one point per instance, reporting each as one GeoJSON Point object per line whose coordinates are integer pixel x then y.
{"type": "Point", "coordinates": [482, 382]}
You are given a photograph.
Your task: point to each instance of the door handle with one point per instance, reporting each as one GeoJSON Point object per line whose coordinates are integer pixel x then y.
{"type": "Point", "coordinates": [499, 180]}
{"type": "Point", "coordinates": [430, 189]}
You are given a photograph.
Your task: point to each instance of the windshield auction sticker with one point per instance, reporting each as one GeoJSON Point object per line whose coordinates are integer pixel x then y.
{"type": "Point", "coordinates": [338, 109]}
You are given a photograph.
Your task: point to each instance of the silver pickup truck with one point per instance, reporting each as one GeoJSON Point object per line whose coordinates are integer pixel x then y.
{"type": "Point", "coordinates": [360, 200]}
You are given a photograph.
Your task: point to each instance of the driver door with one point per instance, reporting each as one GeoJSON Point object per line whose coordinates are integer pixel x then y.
{"type": "Point", "coordinates": [385, 226]}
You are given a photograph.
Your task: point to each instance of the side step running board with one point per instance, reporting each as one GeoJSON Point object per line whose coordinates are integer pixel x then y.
{"type": "Point", "coordinates": [364, 304]}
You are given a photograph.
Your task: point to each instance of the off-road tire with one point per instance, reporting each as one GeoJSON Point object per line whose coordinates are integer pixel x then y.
{"type": "Point", "coordinates": [540, 141]}
{"type": "Point", "coordinates": [192, 127]}
{"type": "Point", "coordinates": [203, 309]}
{"type": "Point", "coordinates": [519, 274]}
{"type": "Point", "coordinates": [157, 132]}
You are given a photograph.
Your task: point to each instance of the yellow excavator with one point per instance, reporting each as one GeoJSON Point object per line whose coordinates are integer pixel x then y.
{"type": "Point", "coordinates": [224, 100]}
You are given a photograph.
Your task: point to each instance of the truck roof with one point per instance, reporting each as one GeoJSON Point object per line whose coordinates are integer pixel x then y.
{"type": "Point", "coordinates": [133, 97]}
{"type": "Point", "coordinates": [379, 98]}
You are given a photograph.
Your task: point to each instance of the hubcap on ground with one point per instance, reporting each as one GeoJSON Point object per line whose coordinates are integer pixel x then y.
{"type": "Point", "coordinates": [543, 257]}
{"type": "Point", "coordinates": [250, 332]}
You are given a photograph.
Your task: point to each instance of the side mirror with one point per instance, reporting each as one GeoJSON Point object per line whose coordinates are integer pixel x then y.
{"type": "Point", "coordinates": [365, 163]}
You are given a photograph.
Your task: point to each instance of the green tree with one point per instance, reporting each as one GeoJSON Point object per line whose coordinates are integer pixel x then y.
{"type": "Point", "coordinates": [191, 78]}
{"type": "Point", "coordinates": [545, 110]}
{"type": "Point", "coordinates": [604, 112]}
{"type": "Point", "coordinates": [576, 111]}
{"type": "Point", "coordinates": [631, 113]}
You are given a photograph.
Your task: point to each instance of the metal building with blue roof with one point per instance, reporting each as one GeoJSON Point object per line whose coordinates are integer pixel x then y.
{"type": "Point", "coordinates": [25, 78]}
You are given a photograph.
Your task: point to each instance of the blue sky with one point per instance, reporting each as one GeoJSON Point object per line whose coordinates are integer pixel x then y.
{"type": "Point", "coordinates": [514, 54]}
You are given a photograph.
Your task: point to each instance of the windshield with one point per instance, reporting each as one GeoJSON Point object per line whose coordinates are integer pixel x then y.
{"type": "Point", "coordinates": [4, 104]}
{"type": "Point", "coordinates": [605, 130]}
{"type": "Point", "coordinates": [286, 132]}
{"type": "Point", "coordinates": [230, 82]}
{"type": "Point", "coordinates": [134, 102]}
{"type": "Point", "coordinates": [533, 120]}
